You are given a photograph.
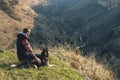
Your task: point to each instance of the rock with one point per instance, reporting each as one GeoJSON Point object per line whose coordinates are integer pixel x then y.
{"type": "Point", "coordinates": [13, 65]}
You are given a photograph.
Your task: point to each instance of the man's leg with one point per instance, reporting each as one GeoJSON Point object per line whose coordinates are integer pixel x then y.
{"type": "Point", "coordinates": [38, 55]}
{"type": "Point", "coordinates": [31, 59]}
{"type": "Point", "coordinates": [43, 60]}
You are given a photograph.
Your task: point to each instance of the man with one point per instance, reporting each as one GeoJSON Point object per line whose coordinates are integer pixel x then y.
{"type": "Point", "coordinates": [24, 50]}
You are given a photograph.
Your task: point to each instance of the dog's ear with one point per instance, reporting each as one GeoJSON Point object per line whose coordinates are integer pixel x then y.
{"type": "Point", "coordinates": [43, 49]}
{"type": "Point", "coordinates": [46, 49]}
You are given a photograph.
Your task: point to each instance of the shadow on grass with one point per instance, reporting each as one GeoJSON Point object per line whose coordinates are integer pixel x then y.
{"type": "Point", "coordinates": [5, 66]}
{"type": "Point", "coordinates": [9, 66]}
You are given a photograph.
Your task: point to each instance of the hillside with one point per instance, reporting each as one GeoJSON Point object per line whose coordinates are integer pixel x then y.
{"type": "Point", "coordinates": [62, 71]}
{"type": "Point", "coordinates": [63, 22]}
{"type": "Point", "coordinates": [13, 18]}
{"type": "Point", "coordinates": [69, 66]}
{"type": "Point", "coordinates": [6, 39]}
{"type": "Point", "coordinates": [33, 2]}
{"type": "Point", "coordinates": [92, 25]}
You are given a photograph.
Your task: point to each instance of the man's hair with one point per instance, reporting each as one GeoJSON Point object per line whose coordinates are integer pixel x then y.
{"type": "Point", "coordinates": [25, 30]}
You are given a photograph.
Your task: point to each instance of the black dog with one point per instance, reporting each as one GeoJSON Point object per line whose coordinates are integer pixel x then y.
{"type": "Point", "coordinates": [44, 56]}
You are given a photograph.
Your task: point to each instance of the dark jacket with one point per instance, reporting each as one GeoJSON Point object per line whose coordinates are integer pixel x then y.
{"type": "Point", "coordinates": [21, 50]}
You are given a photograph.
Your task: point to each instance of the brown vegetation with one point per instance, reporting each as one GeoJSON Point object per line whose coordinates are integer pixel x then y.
{"type": "Point", "coordinates": [13, 18]}
{"type": "Point", "coordinates": [87, 66]}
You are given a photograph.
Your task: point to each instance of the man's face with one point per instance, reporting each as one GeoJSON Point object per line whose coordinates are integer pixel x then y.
{"type": "Point", "coordinates": [28, 33]}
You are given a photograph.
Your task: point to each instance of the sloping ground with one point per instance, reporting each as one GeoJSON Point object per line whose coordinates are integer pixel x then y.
{"type": "Point", "coordinates": [69, 66]}
{"type": "Point", "coordinates": [87, 66]}
{"type": "Point", "coordinates": [8, 28]}
{"type": "Point", "coordinates": [62, 71]}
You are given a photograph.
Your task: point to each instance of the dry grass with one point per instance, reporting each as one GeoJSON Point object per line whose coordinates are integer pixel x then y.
{"type": "Point", "coordinates": [8, 28]}
{"type": "Point", "coordinates": [86, 65]}
{"type": "Point", "coordinates": [33, 2]}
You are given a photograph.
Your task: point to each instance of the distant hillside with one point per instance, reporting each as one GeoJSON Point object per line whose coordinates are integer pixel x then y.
{"type": "Point", "coordinates": [92, 24]}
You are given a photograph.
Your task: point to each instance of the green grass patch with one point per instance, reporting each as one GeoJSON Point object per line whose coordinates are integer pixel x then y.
{"type": "Point", "coordinates": [59, 72]}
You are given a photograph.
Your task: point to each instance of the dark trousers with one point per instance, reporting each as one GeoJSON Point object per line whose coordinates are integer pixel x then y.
{"type": "Point", "coordinates": [43, 60]}
{"type": "Point", "coordinates": [29, 57]}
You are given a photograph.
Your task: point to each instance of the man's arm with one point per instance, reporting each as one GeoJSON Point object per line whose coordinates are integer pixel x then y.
{"type": "Point", "coordinates": [30, 50]}
{"type": "Point", "coordinates": [27, 46]}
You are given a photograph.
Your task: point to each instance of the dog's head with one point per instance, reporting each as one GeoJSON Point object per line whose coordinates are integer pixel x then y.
{"type": "Point", "coordinates": [45, 49]}
{"type": "Point", "coordinates": [45, 52]}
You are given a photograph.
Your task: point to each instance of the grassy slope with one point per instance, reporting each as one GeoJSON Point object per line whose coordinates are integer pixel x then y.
{"type": "Point", "coordinates": [70, 66]}
{"type": "Point", "coordinates": [61, 72]}
{"type": "Point", "coordinates": [87, 66]}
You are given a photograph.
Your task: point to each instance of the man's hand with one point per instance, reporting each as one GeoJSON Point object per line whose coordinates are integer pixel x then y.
{"type": "Point", "coordinates": [38, 60]}
{"type": "Point", "coordinates": [35, 57]}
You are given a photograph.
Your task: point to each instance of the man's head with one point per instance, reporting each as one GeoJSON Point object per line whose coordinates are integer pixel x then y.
{"type": "Point", "coordinates": [26, 31]}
